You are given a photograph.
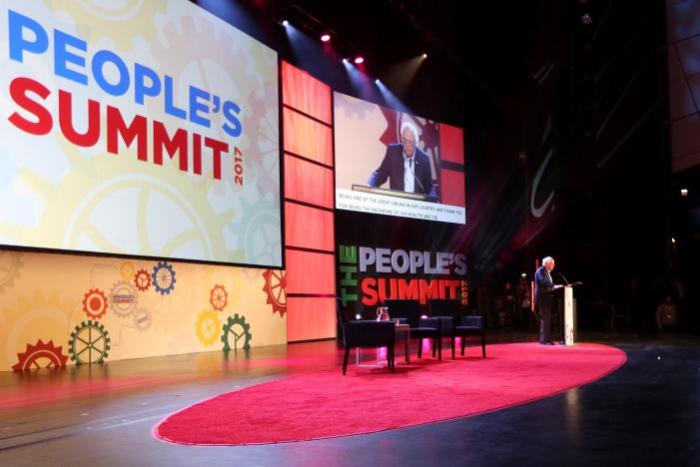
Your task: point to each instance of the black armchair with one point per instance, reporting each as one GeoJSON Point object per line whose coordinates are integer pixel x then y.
{"type": "Point", "coordinates": [462, 326]}
{"type": "Point", "coordinates": [366, 333]}
{"type": "Point", "coordinates": [409, 311]}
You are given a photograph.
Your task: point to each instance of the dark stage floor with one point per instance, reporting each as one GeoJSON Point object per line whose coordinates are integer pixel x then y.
{"type": "Point", "coordinates": [646, 413]}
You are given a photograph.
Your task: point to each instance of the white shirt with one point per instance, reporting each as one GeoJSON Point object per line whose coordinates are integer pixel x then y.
{"type": "Point", "coordinates": [408, 173]}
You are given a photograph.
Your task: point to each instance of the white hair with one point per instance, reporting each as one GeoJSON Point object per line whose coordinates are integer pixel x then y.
{"type": "Point", "coordinates": [547, 259]}
{"type": "Point", "coordinates": [409, 126]}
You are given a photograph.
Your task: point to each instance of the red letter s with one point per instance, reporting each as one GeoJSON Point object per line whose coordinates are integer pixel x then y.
{"type": "Point", "coordinates": [19, 88]}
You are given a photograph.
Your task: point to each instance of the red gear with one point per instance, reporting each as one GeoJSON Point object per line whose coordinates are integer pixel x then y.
{"type": "Point", "coordinates": [95, 304]}
{"type": "Point", "coordinates": [30, 358]}
{"type": "Point", "coordinates": [142, 280]}
{"type": "Point", "coordinates": [276, 289]}
{"type": "Point", "coordinates": [218, 297]}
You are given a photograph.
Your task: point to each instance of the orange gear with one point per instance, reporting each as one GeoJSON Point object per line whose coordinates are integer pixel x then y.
{"type": "Point", "coordinates": [276, 289]}
{"type": "Point", "coordinates": [218, 297]}
{"type": "Point", "coordinates": [142, 280]}
{"type": "Point", "coordinates": [48, 354]}
{"type": "Point", "coordinates": [95, 303]}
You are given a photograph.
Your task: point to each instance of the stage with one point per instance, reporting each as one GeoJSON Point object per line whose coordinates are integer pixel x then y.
{"type": "Point", "coordinates": [104, 415]}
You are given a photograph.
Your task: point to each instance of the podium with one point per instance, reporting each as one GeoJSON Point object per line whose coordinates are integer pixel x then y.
{"type": "Point", "coordinates": [397, 193]}
{"type": "Point", "coordinates": [567, 311]}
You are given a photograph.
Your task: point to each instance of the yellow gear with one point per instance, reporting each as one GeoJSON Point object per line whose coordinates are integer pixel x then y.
{"type": "Point", "coordinates": [121, 21]}
{"type": "Point", "coordinates": [208, 327]}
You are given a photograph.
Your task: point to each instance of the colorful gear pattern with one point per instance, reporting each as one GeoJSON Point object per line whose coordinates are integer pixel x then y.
{"type": "Point", "coordinates": [276, 290]}
{"type": "Point", "coordinates": [39, 356]}
{"type": "Point", "coordinates": [142, 280]}
{"type": "Point", "coordinates": [123, 299]}
{"type": "Point", "coordinates": [10, 264]}
{"type": "Point", "coordinates": [95, 303]}
{"type": "Point", "coordinates": [207, 327]}
{"type": "Point", "coordinates": [89, 343]}
{"type": "Point", "coordinates": [233, 325]}
{"type": "Point", "coordinates": [218, 297]}
{"type": "Point", "coordinates": [126, 270]}
{"type": "Point", "coordinates": [163, 278]}
{"type": "Point", "coordinates": [142, 319]}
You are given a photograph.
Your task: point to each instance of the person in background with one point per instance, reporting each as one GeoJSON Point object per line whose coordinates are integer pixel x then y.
{"type": "Point", "coordinates": [667, 314]}
{"type": "Point", "coordinates": [524, 302]}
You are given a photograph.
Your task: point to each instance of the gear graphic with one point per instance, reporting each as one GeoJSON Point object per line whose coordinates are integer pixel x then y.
{"type": "Point", "coordinates": [263, 139]}
{"type": "Point", "coordinates": [142, 319]}
{"type": "Point", "coordinates": [39, 356]}
{"type": "Point", "coordinates": [208, 326]}
{"type": "Point", "coordinates": [258, 232]}
{"type": "Point", "coordinates": [89, 343]}
{"type": "Point", "coordinates": [218, 297]}
{"type": "Point", "coordinates": [10, 264]}
{"type": "Point", "coordinates": [123, 299]}
{"type": "Point", "coordinates": [126, 270]}
{"type": "Point", "coordinates": [142, 280]}
{"type": "Point", "coordinates": [163, 278]}
{"type": "Point", "coordinates": [95, 303]}
{"type": "Point", "coordinates": [239, 329]}
{"type": "Point", "coordinates": [122, 21]}
{"type": "Point", "coordinates": [276, 289]}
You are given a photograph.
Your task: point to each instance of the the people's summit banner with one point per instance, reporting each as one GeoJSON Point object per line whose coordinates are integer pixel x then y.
{"type": "Point", "coordinates": [146, 128]}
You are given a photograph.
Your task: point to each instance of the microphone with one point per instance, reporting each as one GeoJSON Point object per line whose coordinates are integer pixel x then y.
{"type": "Point", "coordinates": [410, 166]}
{"type": "Point", "coordinates": [565, 279]}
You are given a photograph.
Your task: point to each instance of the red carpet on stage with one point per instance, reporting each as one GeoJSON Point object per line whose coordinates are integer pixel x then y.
{"type": "Point", "coordinates": [327, 404]}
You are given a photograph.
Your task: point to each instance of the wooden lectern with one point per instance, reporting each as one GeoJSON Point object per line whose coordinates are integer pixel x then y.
{"type": "Point", "coordinates": [567, 311]}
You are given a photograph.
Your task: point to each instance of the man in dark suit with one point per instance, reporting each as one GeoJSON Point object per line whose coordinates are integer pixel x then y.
{"type": "Point", "coordinates": [544, 300]}
{"type": "Point", "coordinates": [405, 165]}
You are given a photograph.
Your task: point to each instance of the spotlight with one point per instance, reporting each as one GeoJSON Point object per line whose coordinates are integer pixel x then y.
{"type": "Point", "coordinates": [673, 240]}
{"type": "Point", "coordinates": [325, 37]}
{"type": "Point", "coordinates": [376, 81]}
{"type": "Point", "coordinates": [523, 275]}
{"type": "Point", "coordinates": [425, 55]}
{"type": "Point", "coordinates": [285, 23]}
{"type": "Point", "coordinates": [345, 60]}
{"type": "Point", "coordinates": [684, 192]}
{"type": "Point", "coordinates": [359, 59]}
{"type": "Point", "coordinates": [586, 19]}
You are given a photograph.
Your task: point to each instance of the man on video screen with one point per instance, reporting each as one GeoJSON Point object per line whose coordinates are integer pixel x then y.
{"type": "Point", "coordinates": [405, 165]}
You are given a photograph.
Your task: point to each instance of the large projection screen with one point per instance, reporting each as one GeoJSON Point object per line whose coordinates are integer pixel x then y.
{"type": "Point", "coordinates": [394, 163]}
{"type": "Point", "coordinates": [144, 128]}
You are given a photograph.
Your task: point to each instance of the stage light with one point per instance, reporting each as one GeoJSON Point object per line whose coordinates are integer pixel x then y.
{"type": "Point", "coordinates": [359, 59]}
{"type": "Point", "coordinates": [358, 316]}
{"type": "Point", "coordinates": [684, 192]}
{"type": "Point", "coordinates": [425, 55]}
{"type": "Point", "coordinates": [673, 240]}
{"type": "Point", "coordinates": [523, 275]}
{"type": "Point", "coordinates": [586, 19]}
{"type": "Point", "coordinates": [285, 23]}
{"type": "Point", "coordinates": [325, 37]}
{"type": "Point", "coordinates": [376, 81]}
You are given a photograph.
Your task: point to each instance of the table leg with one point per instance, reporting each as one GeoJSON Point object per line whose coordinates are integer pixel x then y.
{"type": "Point", "coordinates": [406, 338]}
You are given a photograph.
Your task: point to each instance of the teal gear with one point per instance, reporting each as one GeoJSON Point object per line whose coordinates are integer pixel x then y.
{"type": "Point", "coordinates": [228, 330]}
{"type": "Point", "coordinates": [89, 343]}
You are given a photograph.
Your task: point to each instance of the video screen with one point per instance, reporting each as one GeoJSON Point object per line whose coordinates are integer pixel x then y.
{"type": "Point", "coordinates": [397, 164]}
{"type": "Point", "coordinates": [138, 128]}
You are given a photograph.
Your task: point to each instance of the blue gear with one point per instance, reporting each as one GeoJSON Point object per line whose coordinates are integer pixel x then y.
{"type": "Point", "coordinates": [163, 278]}
{"type": "Point", "coordinates": [228, 329]}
